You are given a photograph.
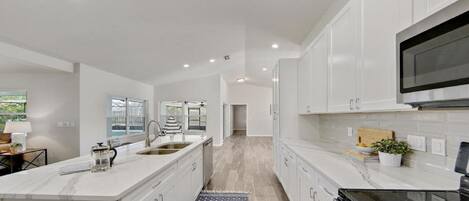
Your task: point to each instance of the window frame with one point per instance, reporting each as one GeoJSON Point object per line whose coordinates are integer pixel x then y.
{"type": "Point", "coordinates": [127, 121]}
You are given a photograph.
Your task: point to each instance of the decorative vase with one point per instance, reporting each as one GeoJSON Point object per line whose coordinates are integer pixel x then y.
{"type": "Point", "coordinates": [393, 160]}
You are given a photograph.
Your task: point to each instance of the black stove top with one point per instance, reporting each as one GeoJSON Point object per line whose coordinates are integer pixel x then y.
{"type": "Point", "coordinates": [399, 195]}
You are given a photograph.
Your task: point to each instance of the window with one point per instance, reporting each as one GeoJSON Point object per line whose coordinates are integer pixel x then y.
{"type": "Point", "coordinates": [128, 116]}
{"type": "Point", "coordinates": [12, 107]}
{"type": "Point", "coordinates": [192, 115]}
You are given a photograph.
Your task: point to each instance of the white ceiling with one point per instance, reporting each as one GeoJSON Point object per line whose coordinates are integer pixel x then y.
{"type": "Point", "coordinates": [150, 40]}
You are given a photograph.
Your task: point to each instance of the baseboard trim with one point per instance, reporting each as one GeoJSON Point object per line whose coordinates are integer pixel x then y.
{"type": "Point", "coordinates": [259, 135]}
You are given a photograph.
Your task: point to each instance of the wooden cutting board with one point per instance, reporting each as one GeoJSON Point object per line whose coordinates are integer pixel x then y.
{"type": "Point", "coordinates": [368, 136]}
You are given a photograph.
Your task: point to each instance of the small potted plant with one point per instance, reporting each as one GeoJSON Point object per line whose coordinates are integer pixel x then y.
{"type": "Point", "coordinates": [391, 151]}
{"type": "Point", "coordinates": [15, 147]}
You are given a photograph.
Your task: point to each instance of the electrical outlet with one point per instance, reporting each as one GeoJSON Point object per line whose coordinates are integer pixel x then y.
{"type": "Point", "coordinates": [417, 142]}
{"type": "Point", "coordinates": [439, 147]}
{"type": "Point", "coordinates": [349, 131]}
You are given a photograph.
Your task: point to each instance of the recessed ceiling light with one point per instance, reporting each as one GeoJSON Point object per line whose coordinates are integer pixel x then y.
{"type": "Point", "coordinates": [212, 60]}
{"type": "Point", "coordinates": [264, 69]}
{"type": "Point", "coordinates": [186, 66]}
{"type": "Point", "coordinates": [240, 80]}
{"type": "Point", "coordinates": [275, 46]}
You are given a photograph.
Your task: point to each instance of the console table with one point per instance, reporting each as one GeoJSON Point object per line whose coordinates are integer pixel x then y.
{"type": "Point", "coordinates": [16, 162]}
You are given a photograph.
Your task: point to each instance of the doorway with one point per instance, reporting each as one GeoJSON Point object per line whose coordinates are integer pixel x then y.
{"type": "Point", "coordinates": [226, 121]}
{"type": "Point", "coordinates": [239, 119]}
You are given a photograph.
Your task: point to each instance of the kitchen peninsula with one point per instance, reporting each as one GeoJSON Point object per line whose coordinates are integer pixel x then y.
{"type": "Point", "coordinates": [133, 177]}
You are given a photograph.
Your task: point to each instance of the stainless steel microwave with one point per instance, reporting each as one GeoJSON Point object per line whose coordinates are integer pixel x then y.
{"type": "Point", "coordinates": [433, 60]}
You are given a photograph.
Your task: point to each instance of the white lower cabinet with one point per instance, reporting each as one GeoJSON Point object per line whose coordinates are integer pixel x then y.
{"type": "Point", "coordinates": [326, 191]}
{"type": "Point", "coordinates": [302, 182]}
{"type": "Point", "coordinates": [197, 176]}
{"type": "Point", "coordinates": [306, 183]}
{"type": "Point", "coordinates": [288, 174]}
{"type": "Point", "coordinates": [181, 181]}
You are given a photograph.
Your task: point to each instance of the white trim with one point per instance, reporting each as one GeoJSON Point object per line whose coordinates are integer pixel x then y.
{"type": "Point", "coordinates": [259, 135]}
{"type": "Point", "coordinates": [218, 145]}
{"type": "Point", "coordinates": [35, 58]}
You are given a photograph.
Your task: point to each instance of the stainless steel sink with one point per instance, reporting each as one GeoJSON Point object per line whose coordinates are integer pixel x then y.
{"type": "Point", "coordinates": [174, 146]}
{"type": "Point", "coordinates": [156, 151]}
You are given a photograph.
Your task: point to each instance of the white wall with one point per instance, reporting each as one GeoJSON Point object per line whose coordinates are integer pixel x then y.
{"type": "Point", "coordinates": [51, 98]}
{"type": "Point", "coordinates": [208, 89]}
{"type": "Point", "coordinates": [258, 100]}
{"type": "Point", "coordinates": [239, 117]}
{"type": "Point", "coordinates": [96, 86]}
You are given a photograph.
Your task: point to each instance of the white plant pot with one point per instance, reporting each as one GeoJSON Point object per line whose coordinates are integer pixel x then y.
{"type": "Point", "coordinates": [393, 160]}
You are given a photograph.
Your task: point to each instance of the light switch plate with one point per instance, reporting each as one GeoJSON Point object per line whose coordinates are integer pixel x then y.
{"type": "Point", "coordinates": [349, 131]}
{"type": "Point", "coordinates": [417, 142]}
{"type": "Point", "coordinates": [439, 147]}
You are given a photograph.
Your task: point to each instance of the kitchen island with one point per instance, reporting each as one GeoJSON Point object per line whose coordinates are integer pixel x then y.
{"type": "Point", "coordinates": [133, 176]}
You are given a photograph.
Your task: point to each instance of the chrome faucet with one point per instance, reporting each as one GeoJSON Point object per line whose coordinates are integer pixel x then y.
{"type": "Point", "coordinates": [159, 133]}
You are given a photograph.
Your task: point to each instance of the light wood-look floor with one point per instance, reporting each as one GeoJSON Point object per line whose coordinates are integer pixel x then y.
{"type": "Point", "coordinates": [245, 164]}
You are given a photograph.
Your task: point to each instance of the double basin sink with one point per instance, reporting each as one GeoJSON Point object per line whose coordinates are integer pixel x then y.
{"type": "Point", "coordinates": [164, 149]}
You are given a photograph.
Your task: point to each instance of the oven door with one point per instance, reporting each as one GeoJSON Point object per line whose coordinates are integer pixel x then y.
{"type": "Point", "coordinates": [433, 65]}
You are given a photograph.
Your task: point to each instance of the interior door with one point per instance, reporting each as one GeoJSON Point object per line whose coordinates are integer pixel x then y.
{"type": "Point", "coordinates": [344, 52]}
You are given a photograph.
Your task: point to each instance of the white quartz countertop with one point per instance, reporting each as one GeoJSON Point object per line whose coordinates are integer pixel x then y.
{"type": "Point", "coordinates": [328, 159]}
{"type": "Point", "coordinates": [129, 171]}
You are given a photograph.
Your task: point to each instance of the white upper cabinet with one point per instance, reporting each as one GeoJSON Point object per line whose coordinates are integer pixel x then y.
{"type": "Point", "coordinates": [377, 70]}
{"type": "Point", "coordinates": [344, 52]}
{"type": "Point", "coordinates": [320, 62]}
{"type": "Point", "coordinates": [305, 91]}
{"type": "Point", "coordinates": [312, 82]}
{"type": "Point", "coordinates": [424, 8]}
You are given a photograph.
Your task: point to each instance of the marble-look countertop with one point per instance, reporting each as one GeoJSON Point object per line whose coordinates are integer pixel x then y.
{"type": "Point", "coordinates": [329, 159]}
{"type": "Point", "coordinates": [129, 171]}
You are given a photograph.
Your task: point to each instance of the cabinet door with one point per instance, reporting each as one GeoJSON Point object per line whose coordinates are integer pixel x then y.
{"type": "Point", "coordinates": [326, 191]}
{"type": "Point", "coordinates": [305, 91]}
{"type": "Point", "coordinates": [305, 184]}
{"type": "Point", "coordinates": [292, 178]}
{"type": "Point", "coordinates": [377, 85]}
{"type": "Point", "coordinates": [319, 65]}
{"type": "Point", "coordinates": [166, 193]}
{"type": "Point", "coordinates": [184, 183]}
{"type": "Point", "coordinates": [276, 121]}
{"type": "Point", "coordinates": [344, 52]}
{"type": "Point", "coordinates": [424, 8]}
{"type": "Point", "coordinates": [197, 178]}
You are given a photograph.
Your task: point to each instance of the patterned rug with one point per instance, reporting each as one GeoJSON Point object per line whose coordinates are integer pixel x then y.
{"type": "Point", "coordinates": [222, 196]}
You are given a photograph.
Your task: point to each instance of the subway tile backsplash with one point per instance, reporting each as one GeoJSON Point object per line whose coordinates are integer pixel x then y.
{"type": "Point", "coordinates": [453, 126]}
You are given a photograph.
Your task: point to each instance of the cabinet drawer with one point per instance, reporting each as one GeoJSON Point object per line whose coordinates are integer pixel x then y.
{"type": "Point", "coordinates": [149, 187]}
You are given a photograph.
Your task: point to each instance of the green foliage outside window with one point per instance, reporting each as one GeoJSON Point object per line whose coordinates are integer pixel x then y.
{"type": "Point", "coordinates": [12, 107]}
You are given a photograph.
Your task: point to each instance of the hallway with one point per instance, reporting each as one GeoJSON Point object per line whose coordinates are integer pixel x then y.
{"type": "Point", "coordinates": [245, 164]}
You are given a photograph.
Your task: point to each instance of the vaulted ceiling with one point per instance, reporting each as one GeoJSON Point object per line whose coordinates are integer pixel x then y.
{"type": "Point", "coordinates": [151, 40]}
